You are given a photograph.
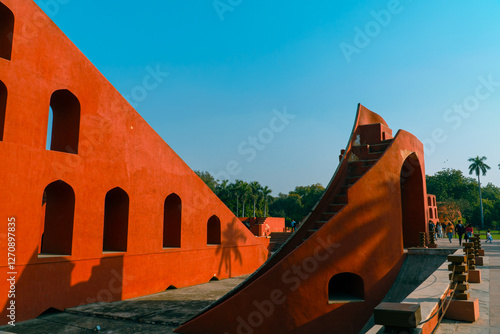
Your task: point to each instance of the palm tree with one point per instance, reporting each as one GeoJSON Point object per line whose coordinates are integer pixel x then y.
{"type": "Point", "coordinates": [244, 192]}
{"type": "Point", "coordinates": [478, 165]}
{"type": "Point", "coordinates": [236, 190]}
{"type": "Point", "coordinates": [255, 193]}
{"type": "Point", "coordinates": [265, 195]}
{"type": "Point", "coordinates": [222, 190]}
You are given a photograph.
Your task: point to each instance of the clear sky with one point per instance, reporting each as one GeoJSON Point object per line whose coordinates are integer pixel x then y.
{"type": "Point", "coordinates": [268, 91]}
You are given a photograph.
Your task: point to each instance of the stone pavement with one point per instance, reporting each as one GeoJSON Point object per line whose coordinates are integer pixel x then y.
{"type": "Point", "coordinates": [488, 293]}
{"type": "Point", "coordinates": [158, 313]}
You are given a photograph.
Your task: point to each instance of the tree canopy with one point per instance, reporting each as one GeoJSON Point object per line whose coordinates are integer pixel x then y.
{"type": "Point", "coordinates": [452, 186]}
{"type": "Point", "coordinates": [252, 199]}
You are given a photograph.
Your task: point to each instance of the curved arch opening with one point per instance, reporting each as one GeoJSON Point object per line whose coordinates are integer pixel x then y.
{"type": "Point", "coordinates": [63, 131]}
{"type": "Point", "coordinates": [412, 201]}
{"type": "Point", "coordinates": [213, 279]}
{"type": "Point", "coordinates": [431, 213]}
{"type": "Point", "coordinates": [346, 288]}
{"type": "Point", "coordinates": [116, 209]}
{"type": "Point", "coordinates": [57, 234]}
{"type": "Point", "coordinates": [6, 32]}
{"type": "Point", "coordinates": [3, 107]}
{"type": "Point", "coordinates": [172, 217]}
{"type": "Point", "coordinates": [213, 231]}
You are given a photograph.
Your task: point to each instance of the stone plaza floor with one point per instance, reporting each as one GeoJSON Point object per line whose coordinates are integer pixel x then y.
{"type": "Point", "coordinates": [157, 313]}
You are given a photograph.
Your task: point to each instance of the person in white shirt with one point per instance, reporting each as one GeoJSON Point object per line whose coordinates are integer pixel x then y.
{"type": "Point", "coordinates": [489, 237]}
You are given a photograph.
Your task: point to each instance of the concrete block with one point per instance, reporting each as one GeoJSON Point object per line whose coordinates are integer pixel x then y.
{"type": "Point", "coordinates": [456, 258]}
{"type": "Point", "coordinates": [462, 287]}
{"type": "Point", "coordinates": [401, 315]}
{"type": "Point", "coordinates": [479, 261]}
{"type": "Point", "coordinates": [463, 310]}
{"type": "Point", "coordinates": [480, 252]}
{"type": "Point", "coordinates": [458, 268]}
{"type": "Point", "coordinates": [461, 295]}
{"type": "Point", "coordinates": [475, 276]}
{"type": "Point", "coordinates": [458, 278]}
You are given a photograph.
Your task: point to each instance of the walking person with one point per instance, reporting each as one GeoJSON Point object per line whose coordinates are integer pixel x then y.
{"type": "Point", "coordinates": [439, 231]}
{"type": "Point", "coordinates": [431, 226]}
{"type": "Point", "coordinates": [293, 225]}
{"type": "Point", "coordinates": [469, 231]}
{"type": "Point", "coordinates": [460, 230]}
{"type": "Point", "coordinates": [449, 231]}
{"type": "Point", "coordinates": [489, 237]}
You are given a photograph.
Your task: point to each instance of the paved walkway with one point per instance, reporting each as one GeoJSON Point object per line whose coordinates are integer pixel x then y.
{"type": "Point", "coordinates": [488, 293]}
{"type": "Point", "coordinates": [158, 313]}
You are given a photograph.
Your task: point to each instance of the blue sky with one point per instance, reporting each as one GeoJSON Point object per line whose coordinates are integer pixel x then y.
{"type": "Point", "coordinates": [431, 68]}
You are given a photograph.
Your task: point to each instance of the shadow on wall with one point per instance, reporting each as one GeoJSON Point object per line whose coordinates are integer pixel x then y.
{"type": "Point", "coordinates": [45, 284]}
{"type": "Point", "coordinates": [231, 237]}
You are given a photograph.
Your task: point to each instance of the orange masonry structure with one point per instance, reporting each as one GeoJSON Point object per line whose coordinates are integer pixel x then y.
{"type": "Point", "coordinates": [332, 273]}
{"type": "Point", "coordinates": [109, 211]}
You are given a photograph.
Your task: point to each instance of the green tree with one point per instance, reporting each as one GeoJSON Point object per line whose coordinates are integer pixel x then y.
{"type": "Point", "coordinates": [222, 191]}
{"type": "Point", "coordinates": [289, 204]}
{"type": "Point", "coordinates": [266, 196]}
{"type": "Point", "coordinates": [309, 196]}
{"type": "Point", "coordinates": [209, 180]}
{"type": "Point", "coordinates": [452, 186]}
{"type": "Point", "coordinates": [244, 189]}
{"type": "Point", "coordinates": [255, 194]}
{"type": "Point", "coordinates": [477, 166]}
{"type": "Point", "coordinates": [235, 189]}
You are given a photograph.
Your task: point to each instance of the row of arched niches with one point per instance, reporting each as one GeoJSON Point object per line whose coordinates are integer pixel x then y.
{"type": "Point", "coordinates": [63, 133]}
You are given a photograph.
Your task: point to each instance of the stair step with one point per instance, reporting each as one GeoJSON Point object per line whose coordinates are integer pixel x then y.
{"type": "Point", "coordinates": [376, 155]}
{"type": "Point", "coordinates": [380, 147]}
{"type": "Point", "coordinates": [336, 207]}
{"type": "Point", "coordinates": [369, 162]}
{"type": "Point", "coordinates": [328, 215]}
{"type": "Point", "coordinates": [319, 224]}
{"type": "Point", "coordinates": [353, 178]}
{"type": "Point", "coordinates": [341, 199]}
{"type": "Point", "coordinates": [312, 231]}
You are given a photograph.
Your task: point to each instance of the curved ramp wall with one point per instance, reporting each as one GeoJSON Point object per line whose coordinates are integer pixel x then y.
{"type": "Point", "coordinates": [331, 273]}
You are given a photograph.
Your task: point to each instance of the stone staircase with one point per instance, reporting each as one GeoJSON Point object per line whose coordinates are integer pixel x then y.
{"type": "Point", "coordinates": [362, 158]}
{"type": "Point", "coordinates": [278, 239]}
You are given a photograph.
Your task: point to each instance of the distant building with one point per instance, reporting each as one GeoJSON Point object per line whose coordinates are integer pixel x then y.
{"type": "Point", "coordinates": [432, 208]}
